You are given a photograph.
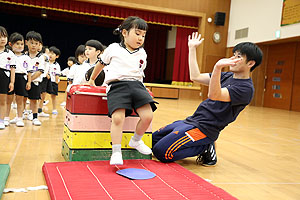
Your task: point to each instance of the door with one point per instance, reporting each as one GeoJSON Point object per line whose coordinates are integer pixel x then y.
{"type": "Point", "coordinates": [279, 75]}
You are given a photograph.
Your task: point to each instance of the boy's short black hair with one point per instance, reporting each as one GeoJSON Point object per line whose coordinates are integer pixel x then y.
{"type": "Point", "coordinates": [73, 59]}
{"type": "Point", "coordinates": [34, 36]}
{"type": "Point", "coordinates": [15, 37]}
{"type": "Point", "coordinates": [79, 51]}
{"type": "Point", "coordinates": [96, 44]}
{"type": "Point", "coordinates": [55, 50]}
{"type": "Point", "coordinates": [252, 52]}
{"type": "Point", "coordinates": [3, 32]}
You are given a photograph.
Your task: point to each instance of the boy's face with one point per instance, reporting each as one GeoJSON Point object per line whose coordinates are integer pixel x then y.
{"type": "Point", "coordinates": [91, 52]}
{"type": "Point", "coordinates": [52, 56]}
{"type": "Point", "coordinates": [81, 58]}
{"type": "Point", "coordinates": [70, 63]}
{"type": "Point", "coordinates": [241, 65]}
{"type": "Point", "coordinates": [33, 45]}
{"type": "Point", "coordinates": [18, 46]}
{"type": "Point", "coordinates": [3, 41]}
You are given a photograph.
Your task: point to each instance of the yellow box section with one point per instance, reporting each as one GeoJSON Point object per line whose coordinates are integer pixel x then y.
{"type": "Point", "coordinates": [92, 140]}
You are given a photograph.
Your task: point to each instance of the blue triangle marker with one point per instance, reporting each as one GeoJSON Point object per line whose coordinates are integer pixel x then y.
{"type": "Point", "coordinates": [136, 174]}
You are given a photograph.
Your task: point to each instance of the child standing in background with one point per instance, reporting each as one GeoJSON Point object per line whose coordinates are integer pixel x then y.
{"type": "Point", "coordinates": [45, 85]}
{"type": "Point", "coordinates": [36, 66]}
{"type": "Point", "coordinates": [54, 69]}
{"type": "Point", "coordinates": [93, 48]}
{"type": "Point", "coordinates": [124, 72]}
{"type": "Point", "coordinates": [7, 74]}
{"type": "Point", "coordinates": [71, 61]}
{"type": "Point", "coordinates": [22, 79]}
{"type": "Point", "coordinates": [80, 57]}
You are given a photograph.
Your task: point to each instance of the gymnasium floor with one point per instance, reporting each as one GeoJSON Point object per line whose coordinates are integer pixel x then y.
{"type": "Point", "coordinates": [258, 154]}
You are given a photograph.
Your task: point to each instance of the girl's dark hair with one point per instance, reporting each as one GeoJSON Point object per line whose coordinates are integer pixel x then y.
{"type": "Point", "coordinates": [34, 36]}
{"type": "Point", "coordinates": [73, 59]}
{"type": "Point", "coordinates": [96, 44]}
{"type": "Point", "coordinates": [44, 49]}
{"type": "Point", "coordinates": [129, 23]}
{"type": "Point", "coordinates": [55, 50]}
{"type": "Point", "coordinates": [252, 52]}
{"type": "Point", "coordinates": [79, 51]}
{"type": "Point", "coordinates": [15, 37]}
{"type": "Point", "coordinates": [3, 32]}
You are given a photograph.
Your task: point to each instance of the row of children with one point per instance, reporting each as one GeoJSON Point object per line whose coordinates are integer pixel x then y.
{"type": "Point", "coordinates": [27, 74]}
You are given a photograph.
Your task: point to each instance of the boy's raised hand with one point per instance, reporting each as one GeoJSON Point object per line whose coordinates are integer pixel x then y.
{"type": "Point", "coordinates": [227, 62]}
{"type": "Point", "coordinates": [194, 40]}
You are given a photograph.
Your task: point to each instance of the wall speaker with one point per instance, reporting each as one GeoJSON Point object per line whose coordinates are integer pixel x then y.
{"type": "Point", "coordinates": [220, 18]}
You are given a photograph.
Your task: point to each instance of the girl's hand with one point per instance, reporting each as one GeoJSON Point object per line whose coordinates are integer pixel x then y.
{"type": "Point", "coordinates": [28, 86]}
{"type": "Point", "coordinates": [194, 40]}
{"type": "Point", "coordinates": [11, 87]}
{"type": "Point", "coordinates": [91, 82]}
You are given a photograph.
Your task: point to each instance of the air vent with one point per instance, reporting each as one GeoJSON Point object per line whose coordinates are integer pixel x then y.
{"type": "Point", "coordinates": [241, 33]}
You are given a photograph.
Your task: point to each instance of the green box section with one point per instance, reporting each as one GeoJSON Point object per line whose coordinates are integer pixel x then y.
{"type": "Point", "coordinates": [4, 172]}
{"type": "Point", "coordinates": [98, 154]}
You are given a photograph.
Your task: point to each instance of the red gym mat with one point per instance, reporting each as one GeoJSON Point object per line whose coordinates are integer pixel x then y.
{"type": "Point", "coordinates": [98, 180]}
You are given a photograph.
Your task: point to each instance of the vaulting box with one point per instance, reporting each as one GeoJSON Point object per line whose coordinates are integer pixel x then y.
{"type": "Point", "coordinates": [83, 99]}
{"type": "Point", "coordinates": [100, 140]}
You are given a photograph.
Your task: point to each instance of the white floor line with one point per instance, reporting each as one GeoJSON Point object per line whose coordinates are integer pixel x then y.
{"type": "Point", "coordinates": [16, 150]}
{"type": "Point", "coordinates": [99, 182]}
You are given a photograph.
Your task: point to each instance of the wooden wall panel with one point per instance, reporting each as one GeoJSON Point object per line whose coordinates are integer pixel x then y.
{"type": "Point", "coordinates": [279, 72]}
{"type": "Point", "coordinates": [295, 104]}
{"type": "Point", "coordinates": [258, 78]}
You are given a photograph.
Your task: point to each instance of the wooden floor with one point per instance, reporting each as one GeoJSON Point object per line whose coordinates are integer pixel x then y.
{"type": "Point", "coordinates": [258, 154]}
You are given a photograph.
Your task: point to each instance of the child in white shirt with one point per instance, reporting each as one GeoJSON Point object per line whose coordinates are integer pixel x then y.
{"type": "Point", "coordinates": [124, 72]}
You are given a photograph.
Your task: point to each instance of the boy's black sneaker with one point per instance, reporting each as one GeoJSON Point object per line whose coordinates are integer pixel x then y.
{"type": "Point", "coordinates": [208, 157]}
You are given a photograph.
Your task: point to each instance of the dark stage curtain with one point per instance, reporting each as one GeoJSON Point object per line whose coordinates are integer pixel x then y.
{"type": "Point", "coordinates": [155, 46]}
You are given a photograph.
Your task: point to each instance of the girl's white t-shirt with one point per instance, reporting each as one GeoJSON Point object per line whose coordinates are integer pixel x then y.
{"type": "Point", "coordinates": [22, 64]}
{"type": "Point", "coordinates": [54, 70]}
{"type": "Point", "coordinates": [7, 60]}
{"type": "Point", "coordinates": [122, 64]}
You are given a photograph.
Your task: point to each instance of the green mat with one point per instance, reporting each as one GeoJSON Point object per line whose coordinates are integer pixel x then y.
{"type": "Point", "coordinates": [4, 171]}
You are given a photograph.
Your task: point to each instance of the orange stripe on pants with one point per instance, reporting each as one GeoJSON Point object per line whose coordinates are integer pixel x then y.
{"type": "Point", "coordinates": [177, 141]}
{"type": "Point", "coordinates": [178, 146]}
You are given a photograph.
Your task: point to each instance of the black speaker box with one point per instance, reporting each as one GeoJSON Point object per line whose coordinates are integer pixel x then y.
{"type": "Point", "coordinates": [220, 18]}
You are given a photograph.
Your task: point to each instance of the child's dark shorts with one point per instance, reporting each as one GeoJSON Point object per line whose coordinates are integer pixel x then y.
{"type": "Point", "coordinates": [129, 95]}
{"type": "Point", "coordinates": [35, 92]}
